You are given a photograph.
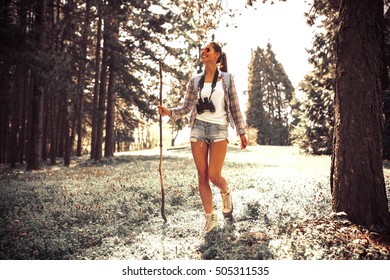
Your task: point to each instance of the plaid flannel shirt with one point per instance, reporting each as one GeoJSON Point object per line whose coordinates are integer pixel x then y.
{"type": "Point", "coordinates": [231, 104]}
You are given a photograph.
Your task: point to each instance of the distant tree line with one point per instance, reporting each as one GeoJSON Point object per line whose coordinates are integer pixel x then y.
{"type": "Point", "coordinates": [78, 76]}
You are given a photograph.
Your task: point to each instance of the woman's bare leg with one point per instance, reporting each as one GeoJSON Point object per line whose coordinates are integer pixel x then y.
{"type": "Point", "coordinates": [200, 152]}
{"type": "Point", "coordinates": [217, 158]}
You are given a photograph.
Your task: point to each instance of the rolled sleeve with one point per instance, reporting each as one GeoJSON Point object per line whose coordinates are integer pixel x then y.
{"type": "Point", "coordinates": [188, 104]}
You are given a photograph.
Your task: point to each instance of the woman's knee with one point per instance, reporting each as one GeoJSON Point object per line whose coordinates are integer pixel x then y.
{"type": "Point", "coordinates": [215, 178]}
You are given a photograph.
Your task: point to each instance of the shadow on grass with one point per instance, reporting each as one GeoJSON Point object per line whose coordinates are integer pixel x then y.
{"type": "Point", "coordinates": [226, 244]}
{"type": "Point", "coordinates": [127, 160]}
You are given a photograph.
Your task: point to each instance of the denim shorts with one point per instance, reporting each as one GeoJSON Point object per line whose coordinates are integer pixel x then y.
{"type": "Point", "coordinates": [208, 132]}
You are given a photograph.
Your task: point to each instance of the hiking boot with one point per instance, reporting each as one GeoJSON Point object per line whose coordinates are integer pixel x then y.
{"type": "Point", "coordinates": [227, 205]}
{"type": "Point", "coordinates": [211, 222]}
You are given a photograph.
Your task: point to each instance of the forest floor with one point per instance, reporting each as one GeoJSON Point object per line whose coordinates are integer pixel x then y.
{"type": "Point", "coordinates": [111, 210]}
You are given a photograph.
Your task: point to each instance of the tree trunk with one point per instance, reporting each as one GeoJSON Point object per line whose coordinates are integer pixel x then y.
{"type": "Point", "coordinates": [15, 120]}
{"type": "Point", "coordinates": [68, 121]}
{"type": "Point", "coordinates": [35, 144]}
{"type": "Point", "coordinates": [60, 128]}
{"type": "Point", "coordinates": [102, 96]}
{"type": "Point", "coordinates": [4, 122]}
{"type": "Point", "coordinates": [34, 157]}
{"type": "Point", "coordinates": [45, 126]}
{"type": "Point", "coordinates": [53, 130]}
{"type": "Point", "coordinates": [67, 140]}
{"type": "Point", "coordinates": [24, 114]}
{"type": "Point", "coordinates": [109, 147]}
{"type": "Point", "coordinates": [357, 181]}
{"type": "Point", "coordinates": [96, 89]}
{"type": "Point", "coordinates": [66, 130]}
{"type": "Point", "coordinates": [81, 79]}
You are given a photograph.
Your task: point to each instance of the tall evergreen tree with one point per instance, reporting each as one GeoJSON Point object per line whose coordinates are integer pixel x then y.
{"type": "Point", "coordinates": [270, 93]}
{"type": "Point", "coordinates": [314, 132]}
{"type": "Point", "coordinates": [255, 114]}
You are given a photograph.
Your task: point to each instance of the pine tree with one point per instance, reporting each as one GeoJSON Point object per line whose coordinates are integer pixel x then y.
{"type": "Point", "coordinates": [255, 114]}
{"type": "Point", "coordinates": [269, 95]}
{"type": "Point", "coordinates": [314, 132]}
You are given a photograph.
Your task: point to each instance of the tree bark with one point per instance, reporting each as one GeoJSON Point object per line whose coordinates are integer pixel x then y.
{"type": "Point", "coordinates": [357, 181]}
{"type": "Point", "coordinates": [45, 125]}
{"type": "Point", "coordinates": [109, 147]}
{"type": "Point", "coordinates": [81, 78]}
{"type": "Point", "coordinates": [53, 130]}
{"type": "Point", "coordinates": [102, 96]}
{"type": "Point", "coordinates": [66, 132]}
{"type": "Point", "coordinates": [96, 88]}
{"type": "Point", "coordinates": [24, 114]}
{"type": "Point", "coordinates": [15, 120]}
{"type": "Point", "coordinates": [35, 144]}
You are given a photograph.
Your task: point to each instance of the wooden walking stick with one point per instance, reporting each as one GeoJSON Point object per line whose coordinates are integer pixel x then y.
{"type": "Point", "coordinates": [161, 146]}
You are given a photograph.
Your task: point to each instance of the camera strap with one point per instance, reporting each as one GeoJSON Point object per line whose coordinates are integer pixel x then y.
{"type": "Point", "coordinates": [213, 84]}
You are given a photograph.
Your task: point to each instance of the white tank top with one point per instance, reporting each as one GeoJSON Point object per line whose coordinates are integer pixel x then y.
{"type": "Point", "coordinates": [218, 98]}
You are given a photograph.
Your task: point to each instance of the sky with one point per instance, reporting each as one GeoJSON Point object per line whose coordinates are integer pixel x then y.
{"type": "Point", "coordinates": [282, 25]}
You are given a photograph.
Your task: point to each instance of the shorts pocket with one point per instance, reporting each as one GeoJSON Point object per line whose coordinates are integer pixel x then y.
{"type": "Point", "coordinates": [198, 123]}
{"type": "Point", "coordinates": [222, 127]}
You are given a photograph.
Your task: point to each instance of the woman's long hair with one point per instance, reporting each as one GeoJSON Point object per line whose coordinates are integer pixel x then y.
{"type": "Point", "coordinates": [222, 60]}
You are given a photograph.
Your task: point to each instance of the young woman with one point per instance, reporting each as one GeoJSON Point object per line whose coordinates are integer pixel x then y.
{"type": "Point", "coordinates": [212, 100]}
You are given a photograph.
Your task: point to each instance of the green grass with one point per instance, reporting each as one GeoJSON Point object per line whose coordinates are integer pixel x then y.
{"type": "Point", "coordinates": [111, 210]}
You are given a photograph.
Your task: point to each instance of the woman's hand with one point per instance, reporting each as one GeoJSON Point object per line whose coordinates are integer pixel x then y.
{"type": "Point", "coordinates": [244, 141]}
{"type": "Point", "coordinates": [163, 111]}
